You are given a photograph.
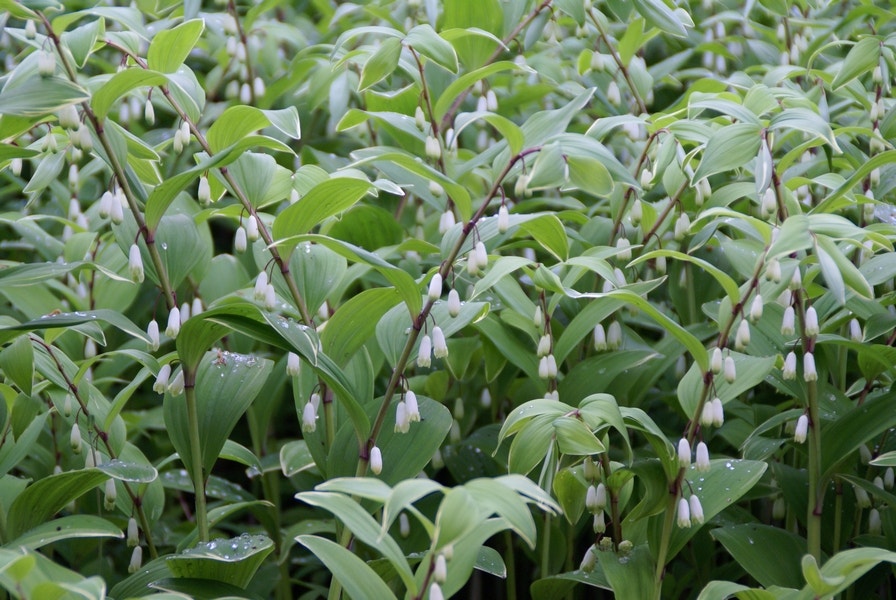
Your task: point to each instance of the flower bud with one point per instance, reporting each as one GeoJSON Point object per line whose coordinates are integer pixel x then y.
{"type": "Point", "coordinates": [133, 533]}
{"type": "Point", "coordinates": [261, 285]}
{"type": "Point", "coordinates": [424, 352]}
{"type": "Point", "coordinates": [503, 219]}
{"type": "Point", "coordinates": [419, 118]}
{"type": "Point", "coordinates": [589, 560]}
{"type": "Point", "coordinates": [446, 221]}
{"type": "Point", "coordinates": [432, 147]}
{"type": "Point", "coordinates": [888, 478]}
{"type": "Point", "coordinates": [111, 495]}
{"type": "Point", "coordinates": [742, 339]}
{"type": "Point", "coordinates": [730, 370]}
{"type": "Point", "coordinates": [521, 187]}
{"type": "Point", "coordinates": [30, 29]}
{"type": "Point", "coordinates": [623, 249]}
{"type": "Point", "coordinates": [68, 117]}
{"type": "Point", "coordinates": [788, 372]}
{"type": "Point", "coordinates": [292, 364]}
{"type": "Point", "coordinates": [855, 331]}
{"type": "Point", "coordinates": [410, 400]}
{"type": "Point", "coordinates": [453, 303]}
{"type": "Point", "coordinates": [788, 322]}
{"type": "Point", "coordinates": [706, 414]}
{"type": "Point", "coordinates": [811, 325]}
{"type": "Point", "coordinates": [152, 332]}
{"type": "Point", "coordinates": [862, 498]}
{"type": "Point", "coordinates": [614, 96]}
{"type": "Point", "coordinates": [481, 254]}
{"type": "Point", "coordinates": [402, 421]}
{"type": "Point", "coordinates": [196, 306]}
{"type": "Point", "coordinates": [600, 338]}
{"type": "Point", "coordinates": [756, 308]}
{"type": "Point", "coordinates": [435, 287]}
{"type": "Point", "coordinates": [240, 242]}
{"type": "Point", "coordinates": [551, 366]}
{"type": "Point", "coordinates": [135, 263]}
{"type": "Point", "coordinates": [439, 345]}
{"type": "Point", "coordinates": [718, 412]}
{"type": "Point", "coordinates": [252, 228]}
{"type": "Point", "coordinates": [796, 281]}
{"type": "Point", "coordinates": [702, 462]}
{"type": "Point", "coordinates": [684, 453]}
{"type": "Point", "coordinates": [543, 371]}
{"type": "Point", "coordinates": [270, 297]}
{"type": "Point", "coordinates": [245, 89]}
{"type": "Point", "coordinates": [162, 378]}
{"type": "Point", "coordinates": [696, 510]}
{"type": "Point", "coordinates": [636, 213]}
{"type": "Point", "coordinates": [769, 204]}
{"type": "Point", "coordinates": [136, 560]}
{"type": "Point", "coordinates": [309, 417]}
{"type": "Point", "coordinates": [715, 361]}
{"type": "Point", "coordinates": [809, 372]}
{"type": "Point", "coordinates": [75, 439]}
{"type": "Point", "coordinates": [538, 318]}
{"type": "Point", "coordinates": [173, 327]}
{"type": "Point", "coordinates": [773, 270]}
{"type": "Point", "coordinates": [116, 211]}
{"type": "Point", "coordinates": [684, 514]}
{"type": "Point", "coordinates": [46, 63]}
{"type": "Point", "coordinates": [149, 112]}
{"type": "Point", "coordinates": [404, 525]}
{"type": "Point", "coordinates": [204, 192]}
{"type": "Point", "coordinates": [176, 387]}
{"type": "Point", "coordinates": [682, 226]}
{"type": "Point", "coordinates": [435, 592]}
{"type": "Point", "coordinates": [646, 178]}
{"type": "Point", "coordinates": [376, 460]}
{"type": "Point", "coordinates": [802, 429]}
{"type": "Point", "coordinates": [544, 346]}
{"type": "Point", "coordinates": [614, 336]}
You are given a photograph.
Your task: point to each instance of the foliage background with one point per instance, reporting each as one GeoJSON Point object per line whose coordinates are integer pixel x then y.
{"type": "Point", "coordinates": [667, 224]}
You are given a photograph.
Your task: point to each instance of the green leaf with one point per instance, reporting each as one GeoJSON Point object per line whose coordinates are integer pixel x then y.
{"type": "Point", "coordinates": [239, 121]}
{"type": "Point", "coordinates": [326, 199]}
{"type": "Point", "coordinates": [862, 58]}
{"type": "Point", "coordinates": [722, 590]}
{"type": "Point", "coordinates": [589, 175]}
{"type": "Point", "coordinates": [575, 438]}
{"type": "Point", "coordinates": [631, 575]}
{"type": "Point", "coordinates": [730, 147]}
{"type": "Point", "coordinates": [40, 96]}
{"type": "Point", "coordinates": [657, 14]}
{"type": "Point", "coordinates": [13, 451]}
{"type": "Point", "coordinates": [17, 362]}
{"type": "Point", "coordinates": [225, 387]}
{"type": "Point", "coordinates": [843, 436]}
{"type": "Point", "coordinates": [749, 545]}
{"type": "Point", "coordinates": [62, 320]}
{"type": "Point", "coordinates": [65, 528]}
{"type": "Point", "coordinates": [570, 493]}
{"type": "Point", "coordinates": [549, 232]}
{"type": "Point", "coordinates": [427, 42]}
{"type": "Point", "coordinates": [355, 322]}
{"type": "Point", "coordinates": [358, 579]}
{"type": "Point", "coordinates": [751, 371]}
{"type": "Point", "coordinates": [295, 458]}
{"type": "Point", "coordinates": [46, 497]}
{"type": "Point", "coordinates": [365, 528]}
{"type": "Point", "coordinates": [726, 281]}
{"type": "Point", "coordinates": [793, 237]}
{"type": "Point", "coordinates": [845, 270]}
{"type": "Point", "coordinates": [381, 64]}
{"type": "Point", "coordinates": [81, 40]}
{"type": "Point", "coordinates": [232, 561]}
{"type": "Point", "coordinates": [462, 83]}
{"type": "Point", "coordinates": [170, 47]}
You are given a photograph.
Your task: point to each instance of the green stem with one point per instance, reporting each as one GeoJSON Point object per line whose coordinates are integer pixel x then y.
{"type": "Point", "coordinates": [816, 489]}
{"type": "Point", "coordinates": [196, 451]}
{"type": "Point", "coordinates": [838, 517]}
{"type": "Point", "coordinates": [510, 565]}
{"type": "Point", "coordinates": [668, 522]}
{"type": "Point", "coordinates": [546, 546]}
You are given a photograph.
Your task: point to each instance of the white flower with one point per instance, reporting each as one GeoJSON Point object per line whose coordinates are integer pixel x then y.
{"type": "Point", "coordinates": [435, 592]}
{"type": "Point", "coordinates": [769, 203]}
{"type": "Point", "coordinates": [589, 560]}
{"type": "Point", "coordinates": [453, 303]}
{"type": "Point", "coordinates": [684, 453]}
{"type": "Point", "coordinates": [46, 63]}
{"type": "Point", "coordinates": [646, 178]}
{"type": "Point", "coordinates": [240, 242]}
{"type": "Point", "coordinates": [481, 254]}
{"type": "Point", "coordinates": [623, 249]}
{"type": "Point", "coordinates": [538, 318]}
{"type": "Point", "coordinates": [788, 322]}
{"type": "Point", "coordinates": [789, 370]}
{"type": "Point", "coordinates": [432, 148]}
{"type": "Point", "coordinates": [551, 366]}
{"type": "Point", "coordinates": [862, 498]}
{"type": "Point", "coordinates": [173, 323]}
{"type": "Point", "coordinates": [419, 118]}
{"type": "Point", "coordinates": [889, 478]}
{"type": "Point", "coordinates": [204, 193]}
{"type": "Point", "coordinates": [446, 221]}
{"type": "Point", "coordinates": [684, 514]}
{"type": "Point", "coordinates": [809, 372]}
{"type": "Point", "coordinates": [796, 281]}
{"type": "Point", "coordinates": [614, 335]}
{"type": "Point", "coordinates": [855, 331]}
{"type": "Point", "coordinates": [696, 510]}
{"type": "Point", "coordinates": [756, 308]}
{"type": "Point", "coordinates": [440, 570]}
{"type": "Point", "coordinates": [315, 401]}
{"type": "Point", "coordinates": [161, 383]}
{"type": "Point", "coordinates": [83, 139]}
{"type": "Point", "coordinates": [176, 387]}
{"type": "Point", "coordinates": [424, 352]}
{"type": "Point", "coordinates": [874, 526]}
{"type": "Point", "coordinates": [718, 412]}
{"type": "Point", "coordinates": [730, 370]}
{"type": "Point", "coordinates": [258, 87]}
{"type": "Point", "coordinates": [472, 263]}
{"type": "Point", "coordinates": [599, 524]}
{"type": "Point", "coordinates": [715, 362]}
{"type": "Point", "coordinates": [742, 339]}
{"type": "Point", "coordinates": [30, 29]}
{"type": "Point", "coordinates": [636, 213]}
{"type": "Point", "coordinates": [133, 533]}
{"type": "Point", "coordinates": [196, 306]}
{"type": "Point", "coordinates": [292, 364]}
{"type": "Point", "coordinates": [116, 212]}
{"type": "Point", "coordinates": [503, 219]}
{"type": "Point", "coordinates": [184, 313]}
{"type": "Point", "coordinates": [75, 439]}
{"type": "Point", "coordinates": [682, 226]}
{"type": "Point", "coordinates": [270, 297]}
{"type": "Point", "coordinates": [600, 338]}
{"type": "Point", "coordinates": [773, 270]}
{"type": "Point", "coordinates": [376, 460]}
{"type": "Point", "coordinates": [68, 117]}
{"type": "Point", "coordinates": [544, 346]}
{"type": "Point", "coordinates": [245, 90]}
{"type": "Point", "coordinates": [543, 368]}
{"type": "Point", "coordinates": [261, 285]}
{"type": "Point", "coordinates": [435, 287]}
{"type": "Point", "coordinates": [439, 345]}
{"type": "Point", "coordinates": [402, 422]}
{"type": "Point", "coordinates": [309, 417]}
{"type": "Point", "coordinates": [136, 560]}
{"type": "Point", "coordinates": [135, 263]}
{"type": "Point", "coordinates": [521, 187]}
{"type": "Point", "coordinates": [702, 461]}
{"type": "Point", "coordinates": [811, 322]}
{"type": "Point", "coordinates": [152, 332]}
{"type": "Point", "coordinates": [252, 228]}
{"type": "Point", "coordinates": [404, 525]}
{"type": "Point", "coordinates": [410, 400]}
{"type": "Point", "coordinates": [149, 112]}
{"type": "Point", "coordinates": [614, 96]}
{"type": "Point", "coordinates": [802, 429]}
{"type": "Point", "coordinates": [706, 414]}
{"type": "Point", "coordinates": [67, 406]}
{"type": "Point", "coordinates": [491, 100]}
{"type": "Point", "coordinates": [111, 495]}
